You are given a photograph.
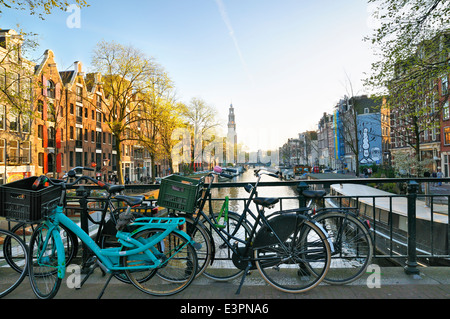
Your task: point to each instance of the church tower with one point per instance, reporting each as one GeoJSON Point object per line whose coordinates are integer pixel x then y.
{"type": "Point", "coordinates": [231, 137]}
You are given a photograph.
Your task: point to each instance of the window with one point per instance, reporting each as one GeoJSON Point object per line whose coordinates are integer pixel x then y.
{"type": "Point", "coordinates": [40, 109]}
{"type": "Point", "coordinates": [447, 135]}
{"type": "Point", "coordinates": [40, 132]}
{"type": "Point", "coordinates": [86, 135]}
{"type": "Point", "coordinates": [50, 89]}
{"type": "Point", "coordinates": [41, 159]}
{"type": "Point", "coordinates": [79, 134]}
{"type": "Point", "coordinates": [2, 151]}
{"type": "Point", "coordinates": [79, 94]}
{"type": "Point", "coordinates": [446, 111]}
{"type": "Point", "coordinates": [26, 123]}
{"type": "Point", "coordinates": [2, 117]}
{"type": "Point", "coordinates": [99, 102]}
{"type": "Point", "coordinates": [26, 152]}
{"type": "Point", "coordinates": [2, 77]}
{"type": "Point", "coordinates": [79, 111]}
{"type": "Point", "coordinates": [71, 108]}
{"type": "Point", "coordinates": [92, 136]}
{"type": "Point", "coordinates": [13, 122]}
{"type": "Point", "coordinates": [71, 159]}
{"type": "Point", "coordinates": [71, 133]}
{"type": "Point", "coordinates": [444, 87]}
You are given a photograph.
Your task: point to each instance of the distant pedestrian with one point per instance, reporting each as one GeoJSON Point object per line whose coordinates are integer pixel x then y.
{"type": "Point", "coordinates": [439, 175]}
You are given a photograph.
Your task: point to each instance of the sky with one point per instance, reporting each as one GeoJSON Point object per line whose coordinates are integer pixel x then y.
{"type": "Point", "coordinates": [281, 63]}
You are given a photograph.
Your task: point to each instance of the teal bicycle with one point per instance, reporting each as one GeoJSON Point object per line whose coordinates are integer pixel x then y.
{"type": "Point", "coordinates": [154, 254]}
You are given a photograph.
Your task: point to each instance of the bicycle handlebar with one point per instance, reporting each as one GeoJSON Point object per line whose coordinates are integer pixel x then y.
{"type": "Point", "coordinates": [220, 170]}
{"type": "Point", "coordinates": [266, 171]}
{"type": "Point", "coordinates": [43, 179]}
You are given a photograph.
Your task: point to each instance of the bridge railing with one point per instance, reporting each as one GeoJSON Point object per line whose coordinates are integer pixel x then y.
{"type": "Point", "coordinates": [413, 226]}
{"type": "Point", "coordinates": [398, 235]}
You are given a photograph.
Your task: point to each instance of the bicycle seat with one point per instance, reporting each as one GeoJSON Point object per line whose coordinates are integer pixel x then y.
{"type": "Point", "coordinates": [266, 201]}
{"type": "Point", "coordinates": [131, 200]}
{"type": "Point", "coordinates": [314, 194]}
{"type": "Point", "coordinates": [115, 188]}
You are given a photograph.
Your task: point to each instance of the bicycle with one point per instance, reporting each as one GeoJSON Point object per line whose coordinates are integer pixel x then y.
{"type": "Point", "coordinates": [351, 235]}
{"type": "Point", "coordinates": [291, 251]}
{"type": "Point", "coordinates": [155, 255]}
{"type": "Point", "coordinates": [13, 249]}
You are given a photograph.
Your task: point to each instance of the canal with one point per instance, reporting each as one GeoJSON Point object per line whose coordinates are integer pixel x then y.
{"type": "Point", "coordinates": [240, 193]}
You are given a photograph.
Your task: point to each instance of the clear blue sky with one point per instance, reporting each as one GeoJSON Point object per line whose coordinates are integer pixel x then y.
{"type": "Point", "coordinates": [281, 63]}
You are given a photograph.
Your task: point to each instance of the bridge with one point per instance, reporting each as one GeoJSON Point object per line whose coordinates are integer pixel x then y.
{"type": "Point", "coordinates": [412, 279]}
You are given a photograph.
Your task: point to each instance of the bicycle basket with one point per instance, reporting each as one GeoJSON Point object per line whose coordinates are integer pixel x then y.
{"type": "Point", "coordinates": [19, 202]}
{"type": "Point", "coordinates": [179, 193]}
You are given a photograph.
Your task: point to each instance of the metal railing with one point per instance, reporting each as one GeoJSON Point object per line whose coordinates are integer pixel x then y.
{"type": "Point", "coordinates": [397, 234]}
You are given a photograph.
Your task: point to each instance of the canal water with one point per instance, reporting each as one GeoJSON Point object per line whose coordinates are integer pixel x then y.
{"type": "Point", "coordinates": [263, 191]}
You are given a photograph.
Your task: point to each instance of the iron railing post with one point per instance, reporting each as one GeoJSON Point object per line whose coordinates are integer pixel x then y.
{"type": "Point", "coordinates": [301, 199]}
{"type": "Point", "coordinates": [411, 263]}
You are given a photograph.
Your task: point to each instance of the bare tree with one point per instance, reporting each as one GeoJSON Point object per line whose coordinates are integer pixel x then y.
{"type": "Point", "coordinates": [126, 72]}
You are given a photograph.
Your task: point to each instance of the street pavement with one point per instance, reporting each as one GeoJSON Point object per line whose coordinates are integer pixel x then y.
{"type": "Point", "coordinates": [377, 283]}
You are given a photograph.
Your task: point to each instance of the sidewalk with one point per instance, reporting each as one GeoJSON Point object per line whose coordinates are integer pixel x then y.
{"type": "Point", "coordinates": [432, 283]}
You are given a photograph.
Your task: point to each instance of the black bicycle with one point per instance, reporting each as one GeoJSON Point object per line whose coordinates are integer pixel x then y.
{"type": "Point", "coordinates": [290, 250]}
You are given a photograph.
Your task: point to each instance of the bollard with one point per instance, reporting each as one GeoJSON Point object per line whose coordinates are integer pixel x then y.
{"type": "Point", "coordinates": [411, 263]}
{"type": "Point", "coordinates": [301, 199]}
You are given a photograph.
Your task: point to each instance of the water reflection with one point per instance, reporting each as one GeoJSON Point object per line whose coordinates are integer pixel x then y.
{"type": "Point", "coordinates": [266, 191]}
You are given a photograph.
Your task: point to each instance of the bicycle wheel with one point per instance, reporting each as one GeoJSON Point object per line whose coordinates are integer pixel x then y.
{"type": "Point", "coordinates": [203, 243]}
{"type": "Point", "coordinates": [26, 230]}
{"type": "Point", "coordinates": [353, 248]}
{"type": "Point", "coordinates": [43, 262]}
{"type": "Point", "coordinates": [286, 265]}
{"type": "Point", "coordinates": [14, 247]}
{"type": "Point", "coordinates": [177, 271]}
{"type": "Point", "coordinates": [222, 267]}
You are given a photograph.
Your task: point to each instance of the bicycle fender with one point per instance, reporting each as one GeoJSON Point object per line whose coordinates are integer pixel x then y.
{"type": "Point", "coordinates": [330, 241]}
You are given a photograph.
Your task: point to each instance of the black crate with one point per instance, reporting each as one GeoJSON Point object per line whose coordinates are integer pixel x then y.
{"type": "Point", "coordinates": [19, 202]}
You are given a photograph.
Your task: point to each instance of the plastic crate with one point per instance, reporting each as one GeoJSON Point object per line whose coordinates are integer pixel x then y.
{"type": "Point", "coordinates": [19, 202]}
{"type": "Point", "coordinates": [179, 193]}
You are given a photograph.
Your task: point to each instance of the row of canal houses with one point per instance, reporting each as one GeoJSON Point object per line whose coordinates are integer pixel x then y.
{"type": "Point", "coordinates": [58, 120]}
{"type": "Point", "coordinates": [331, 146]}
{"type": "Point", "coordinates": [380, 129]}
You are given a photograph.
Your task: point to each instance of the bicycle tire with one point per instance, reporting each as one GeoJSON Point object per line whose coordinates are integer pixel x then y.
{"type": "Point", "coordinates": [175, 274]}
{"type": "Point", "coordinates": [222, 267]}
{"type": "Point", "coordinates": [286, 266]}
{"type": "Point", "coordinates": [43, 272]}
{"type": "Point", "coordinates": [203, 240]}
{"type": "Point", "coordinates": [18, 251]}
{"type": "Point", "coordinates": [353, 246]}
{"type": "Point", "coordinates": [71, 244]}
